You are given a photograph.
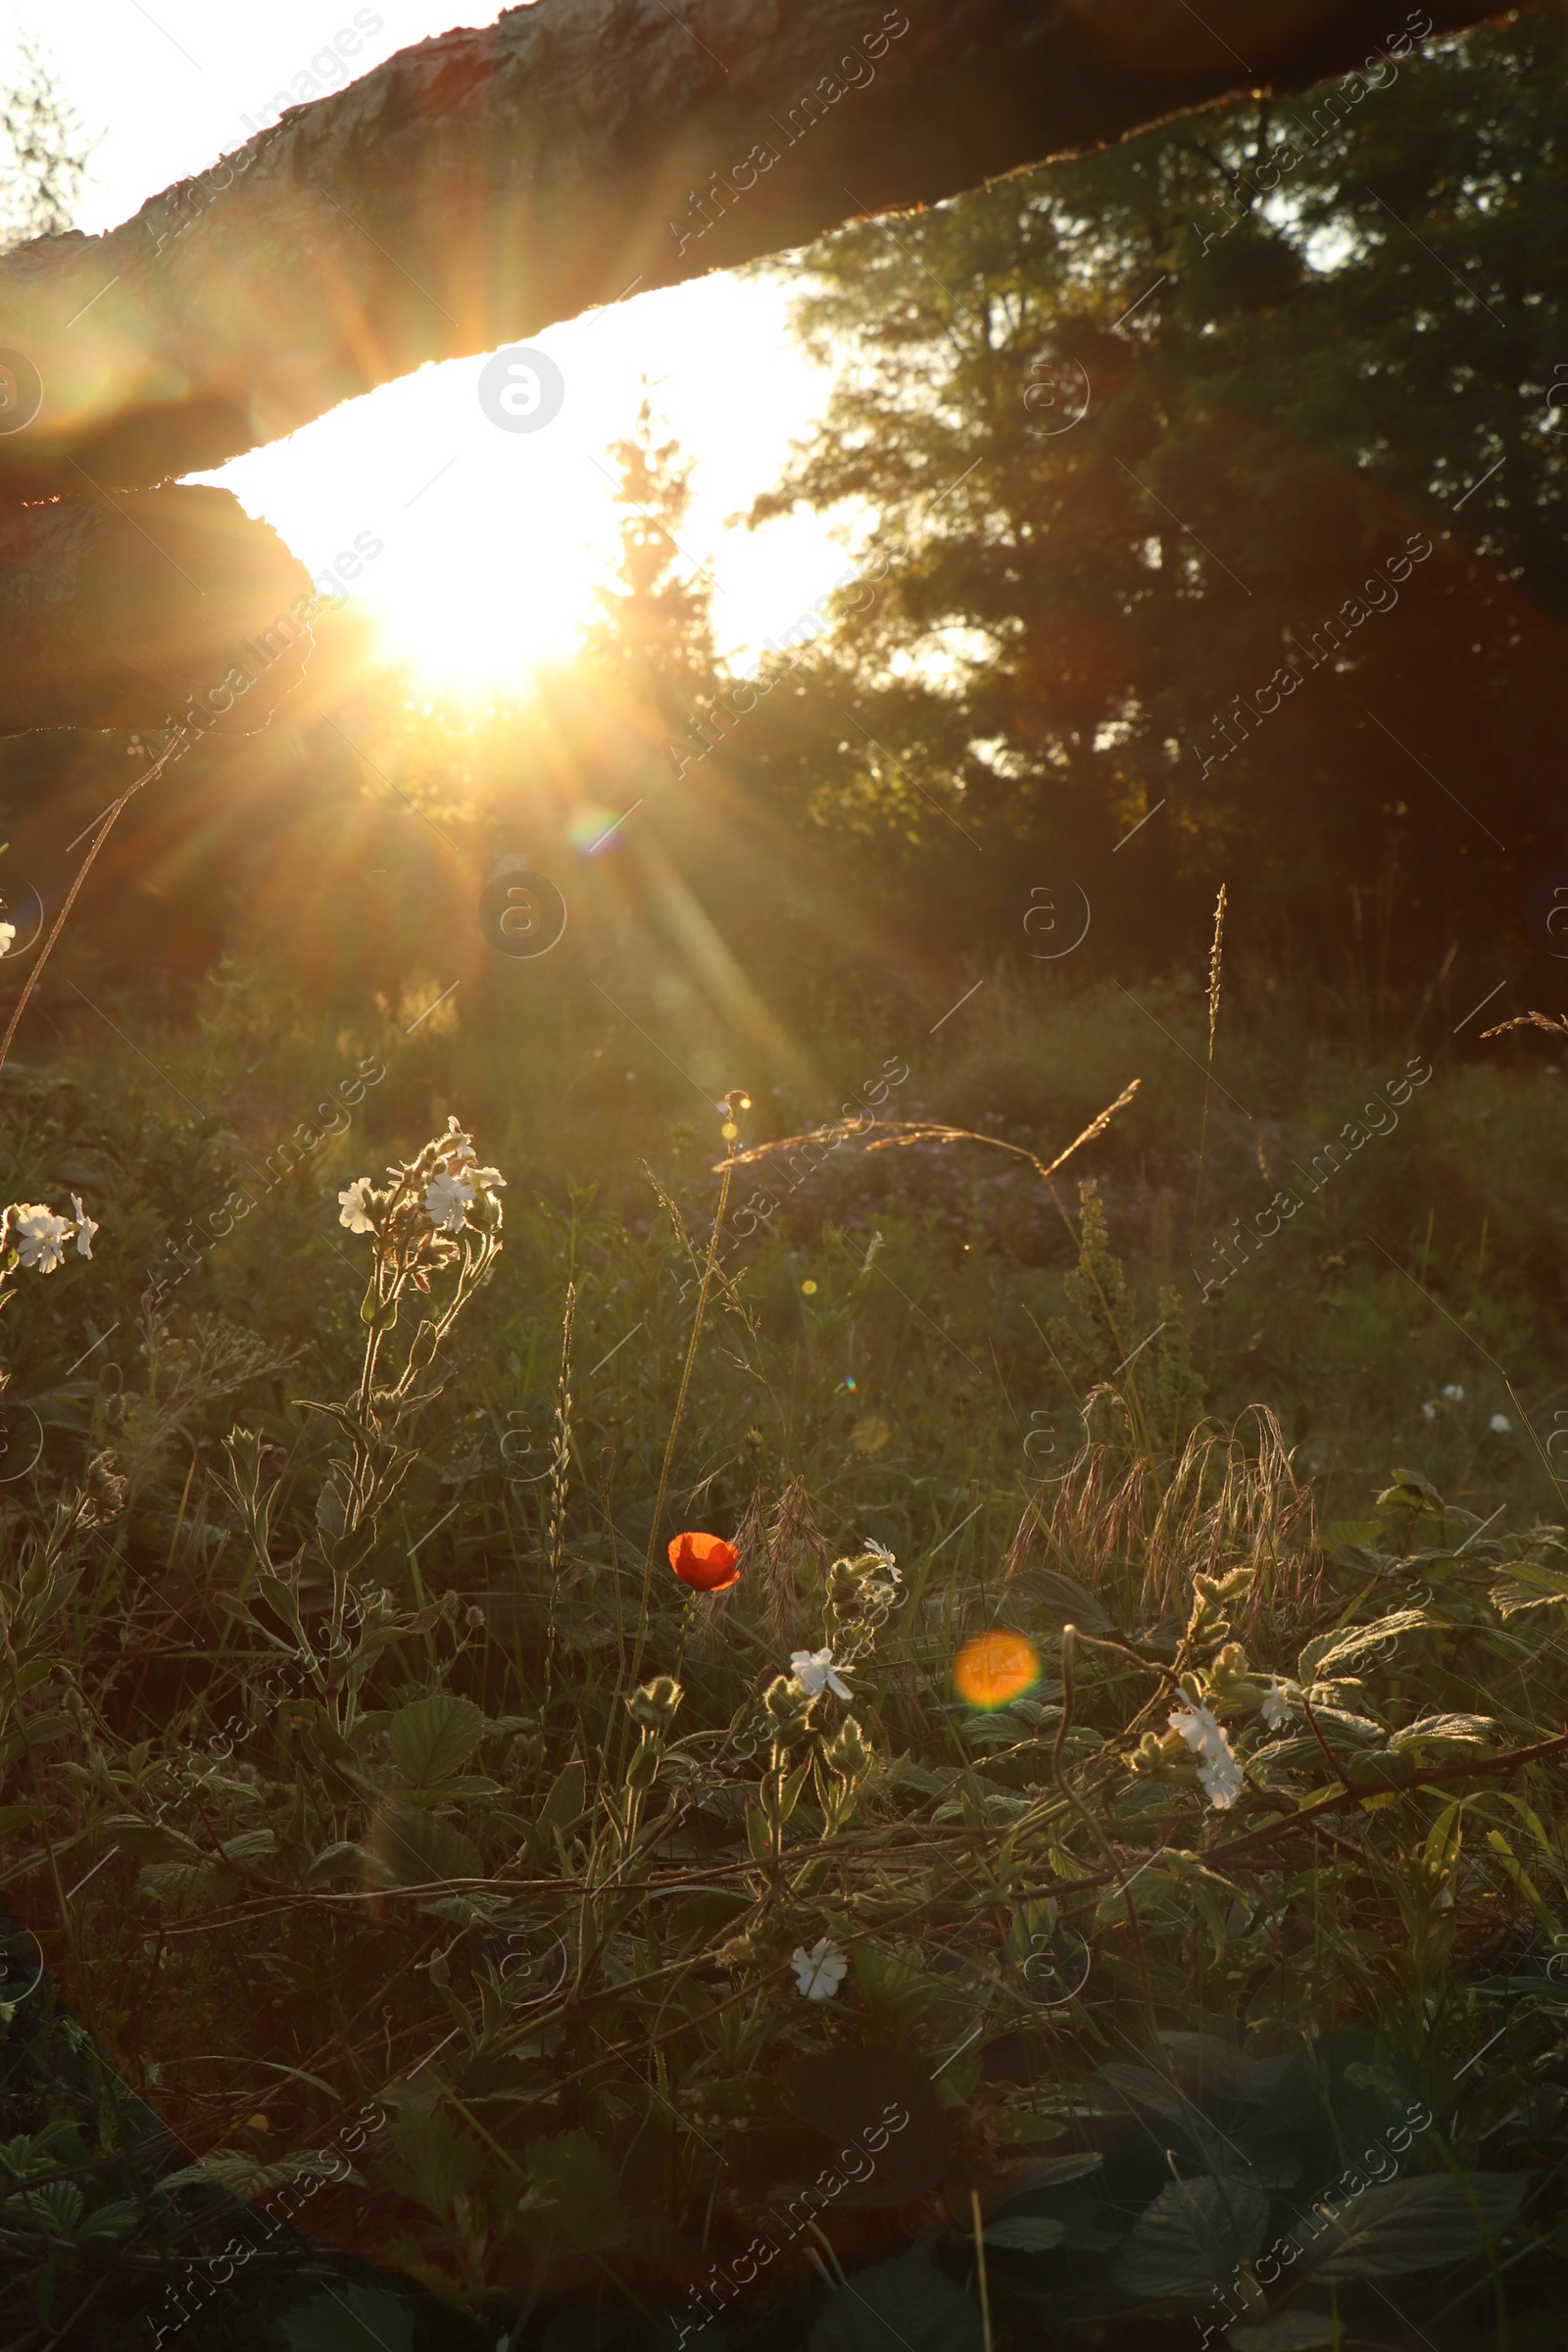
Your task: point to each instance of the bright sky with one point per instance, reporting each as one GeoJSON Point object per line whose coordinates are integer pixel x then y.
{"type": "Point", "coordinates": [491, 541]}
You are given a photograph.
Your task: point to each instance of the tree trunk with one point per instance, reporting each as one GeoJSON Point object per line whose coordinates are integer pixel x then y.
{"type": "Point", "coordinates": [480, 186]}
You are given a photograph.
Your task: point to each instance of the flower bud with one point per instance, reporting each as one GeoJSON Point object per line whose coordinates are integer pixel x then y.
{"type": "Point", "coordinates": [788, 1708]}
{"type": "Point", "coordinates": [849, 1754]}
{"type": "Point", "coordinates": [654, 1705]}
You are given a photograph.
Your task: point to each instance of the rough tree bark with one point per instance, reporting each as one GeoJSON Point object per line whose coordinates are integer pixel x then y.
{"type": "Point", "coordinates": [480, 186]}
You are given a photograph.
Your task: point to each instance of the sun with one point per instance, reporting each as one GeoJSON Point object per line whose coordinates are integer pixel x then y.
{"type": "Point", "coordinates": [474, 547]}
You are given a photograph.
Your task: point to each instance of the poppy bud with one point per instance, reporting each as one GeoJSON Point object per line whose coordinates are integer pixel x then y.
{"type": "Point", "coordinates": [706, 1563]}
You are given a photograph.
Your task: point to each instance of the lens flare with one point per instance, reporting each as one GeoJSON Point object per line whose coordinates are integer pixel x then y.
{"type": "Point", "coordinates": [995, 1669]}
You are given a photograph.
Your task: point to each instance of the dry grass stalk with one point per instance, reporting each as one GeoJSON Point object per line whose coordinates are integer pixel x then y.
{"type": "Point", "coordinates": [1231, 1502]}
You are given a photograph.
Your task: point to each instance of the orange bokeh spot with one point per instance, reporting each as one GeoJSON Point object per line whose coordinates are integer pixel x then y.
{"type": "Point", "coordinates": [705, 1562]}
{"type": "Point", "coordinates": [996, 1667]}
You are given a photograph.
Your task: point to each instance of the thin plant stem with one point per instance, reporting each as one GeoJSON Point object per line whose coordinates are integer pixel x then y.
{"type": "Point", "coordinates": [82, 871]}
{"type": "Point", "coordinates": [1215, 957]}
{"type": "Point", "coordinates": [980, 2265]}
{"type": "Point", "coordinates": [674, 1428]}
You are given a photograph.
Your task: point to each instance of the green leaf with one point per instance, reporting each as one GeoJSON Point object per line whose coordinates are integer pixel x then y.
{"type": "Point", "coordinates": [1444, 1730]}
{"type": "Point", "coordinates": [249, 1846]}
{"type": "Point", "coordinates": [148, 1841]}
{"type": "Point", "coordinates": [1329, 1650]}
{"type": "Point", "coordinates": [412, 1848]}
{"type": "Point", "coordinates": [109, 2223]}
{"type": "Point", "coordinates": [1194, 2232]}
{"type": "Point", "coordinates": [1026, 2234]}
{"type": "Point", "coordinates": [432, 1739]}
{"type": "Point", "coordinates": [344, 1859]}
{"type": "Point", "coordinates": [280, 1599]}
{"type": "Point", "coordinates": [908, 2302]}
{"type": "Point", "coordinates": [1419, 2225]}
{"type": "Point", "coordinates": [1054, 2172]}
{"type": "Point", "coordinates": [330, 1514]}
{"type": "Point", "coordinates": [350, 2319]}
{"type": "Point", "coordinates": [1524, 1585]}
{"type": "Point", "coordinates": [55, 2208]}
{"type": "Point", "coordinates": [585, 2215]}
{"type": "Point", "coordinates": [566, 1801]}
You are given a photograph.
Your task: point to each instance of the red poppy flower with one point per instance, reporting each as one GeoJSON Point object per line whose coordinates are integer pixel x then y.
{"type": "Point", "coordinates": [705, 1562]}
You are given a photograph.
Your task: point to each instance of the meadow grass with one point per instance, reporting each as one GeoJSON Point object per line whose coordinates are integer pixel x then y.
{"type": "Point", "coordinates": [359, 1766]}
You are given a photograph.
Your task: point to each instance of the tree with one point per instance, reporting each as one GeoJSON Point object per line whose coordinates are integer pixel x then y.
{"type": "Point", "coordinates": [1158, 437]}
{"type": "Point", "coordinates": [40, 178]}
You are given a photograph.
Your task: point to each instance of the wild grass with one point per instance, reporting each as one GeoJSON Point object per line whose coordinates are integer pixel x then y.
{"type": "Point", "coordinates": [377, 1798]}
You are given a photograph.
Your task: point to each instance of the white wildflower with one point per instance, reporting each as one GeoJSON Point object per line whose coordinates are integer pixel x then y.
{"type": "Point", "coordinates": [457, 1146]}
{"type": "Point", "coordinates": [8, 937]}
{"type": "Point", "coordinates": [1502, 1424]}
{"type": "Point", "coordinates": [1219, 1775]}
{"type": "Point", "coordinates": [814, 1671]}
{"type": "Point", "coordinates": [351, 1202]}
{"type": "Point", "coordinates": [884, 1559]}
{"type": "Point", "coordinates": [1428, 1412]}
{"type": "Point", "coordinates": [86, 1227]}
{"type": "Point", "coordinates": [40, 1235]}
{"type": "Point", "coordinates": [1278, 1704]}
{"type": "Point", "coordinates": [445, 1199]}
{"type": "Point", "coordinates": [819, 1972]}
{"type": "Point", "coordinates": [1454, 1392]}
{"type": "Point", "coordinates": [1222, 1781]}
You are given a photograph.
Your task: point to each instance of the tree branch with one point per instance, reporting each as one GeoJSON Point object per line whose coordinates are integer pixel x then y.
{"type": "Point", "coordinates": [478, 187]}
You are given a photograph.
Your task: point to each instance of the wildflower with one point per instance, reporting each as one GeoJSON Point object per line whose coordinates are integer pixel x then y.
{"type": "Point", "coordinates": [40, 1235]}
{"type": "Point", "coordinates": [1428, 1412]}
{"type": "Point", "coordinates": [1454, 1392]}
{"type": "Point", "coordinates": [352, 1203]}
{"type": "Point", "coordinates": [881, 1554]}
{"type": "Point", "coordinates": [1278, 1704]}
{"type": "Point", "coordinates": [819, 1972]}
{"type": "Point", "coordinates": [1219, 1775]}
{"type": "Point", "coordinates": [456, 1145]}
{"type": "Point", "coordinates": [706, 1563]}
{"type": "Point", "coordinates": [446, 1198]}
{"type": "Point", "coordinates": [86, 1225]}
{"type": "Point", "coordinates": [1500, 1423]}
{"type": "Point", "coordinates": [815, 1673]}
{"type": "Point", "coordinates": [8, 934]}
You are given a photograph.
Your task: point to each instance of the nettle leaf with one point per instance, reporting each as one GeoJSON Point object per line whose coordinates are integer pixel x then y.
{"type": "Point", "coordinates": [1444, 1731]}
{"type": "Point", "coordinates": [432, 1738]}
{"type": "Point", "coordinates": [1339, 1649]}
{"type": "Point", "coordinates": [1026, 2234]}
{"type": "Point", "coordinates": [251, 1845]}
{"type": "Point", "coordinates": [1194, 2232]}
{"type": "Point", "coordinates": [417, 1849]}
{"type": "Point", "coordinates": [1525, 1585]}
{"type": "Point", "coordinates": [908, 2302]}
{"type": "Point", "coordinates": [1420, 2225]}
